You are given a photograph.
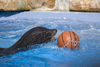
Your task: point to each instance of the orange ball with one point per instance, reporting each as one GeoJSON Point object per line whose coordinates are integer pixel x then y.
{"type": "Point", "coordinates": [68, 39]}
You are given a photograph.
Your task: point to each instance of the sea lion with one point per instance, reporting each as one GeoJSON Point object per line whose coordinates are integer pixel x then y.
{"type": "Point", "coordinates": [34, 36]}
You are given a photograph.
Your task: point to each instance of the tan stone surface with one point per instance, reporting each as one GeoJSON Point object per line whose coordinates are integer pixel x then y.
{"type": "Point", "coordinates": [14, 5]}
{"type": "Point", "coordinates": [50, 3]}
{"type": "Point", "coordinates": [18, 5]}
{"type": "Point", "coordinates": [10, 6]}
{"type": "Point", "coordinates": [75, 5]}
{"type": "Point", "coordinates": [40, 3]}
{"type": "Point", "coordinates": [85, 5]}
{"type": "Point", "coordinates": [2, 5]}
{"type": "Point", "coordinates": [22, 5]}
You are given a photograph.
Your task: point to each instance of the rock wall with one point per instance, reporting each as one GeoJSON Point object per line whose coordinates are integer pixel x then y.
{"type": "Point", "coordinates": [85, 5]}
{"type": "Point", "coordinates": [20, 5]}
{"type": "Point", "coordinates": [50, 5]}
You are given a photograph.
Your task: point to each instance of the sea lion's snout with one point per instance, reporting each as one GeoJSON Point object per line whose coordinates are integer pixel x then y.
{"type": "Point", "coordinates": [54, 31]}
{"type": "Point", "coordinates": [51, 33]}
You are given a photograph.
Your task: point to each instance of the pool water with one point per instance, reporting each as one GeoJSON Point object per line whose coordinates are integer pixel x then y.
{"type": "Point", "coordinates": [87, 25]}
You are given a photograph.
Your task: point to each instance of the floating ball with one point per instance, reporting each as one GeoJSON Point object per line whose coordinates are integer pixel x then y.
{"type": "Point", "coordinates": [68, 39]}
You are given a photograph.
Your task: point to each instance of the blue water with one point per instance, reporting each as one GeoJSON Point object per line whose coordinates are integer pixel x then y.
{"type": "Point", "coordinates": [87, 25]}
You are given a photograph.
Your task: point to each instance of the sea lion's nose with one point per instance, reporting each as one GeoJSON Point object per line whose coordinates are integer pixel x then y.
{"type": "Point", "coordinates": [54, 32]}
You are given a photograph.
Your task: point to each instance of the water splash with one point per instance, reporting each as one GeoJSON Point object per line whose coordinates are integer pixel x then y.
{"type": "Point", "coordinates": [91, 26]}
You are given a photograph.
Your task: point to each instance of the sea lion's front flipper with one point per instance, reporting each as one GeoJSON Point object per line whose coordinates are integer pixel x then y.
{"type": "Point", "coordinates": [2, 49]}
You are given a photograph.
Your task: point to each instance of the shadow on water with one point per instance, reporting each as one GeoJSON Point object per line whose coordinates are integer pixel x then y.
{"type": "Point", "coordinates": [7, 14]}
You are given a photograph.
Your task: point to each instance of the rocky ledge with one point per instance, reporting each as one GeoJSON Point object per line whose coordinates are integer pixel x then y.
{"type": "Point", "coordinates": [20, 5]}
{"type": "Point", "coordinates": [85, 5]}
{"type": "Point", "coordinates": [52, 5]}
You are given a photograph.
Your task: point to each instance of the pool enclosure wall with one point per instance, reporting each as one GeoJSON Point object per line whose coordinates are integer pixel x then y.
{"type": "Point", "coordinates": [50, 5]}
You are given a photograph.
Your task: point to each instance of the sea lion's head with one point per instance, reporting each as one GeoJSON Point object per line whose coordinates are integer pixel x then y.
{"type": "Point", "coordinates": [41, 35]}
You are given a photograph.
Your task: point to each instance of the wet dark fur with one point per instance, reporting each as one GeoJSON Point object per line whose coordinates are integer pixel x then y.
{"type": "Point", "coordinates": [34, 36]}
